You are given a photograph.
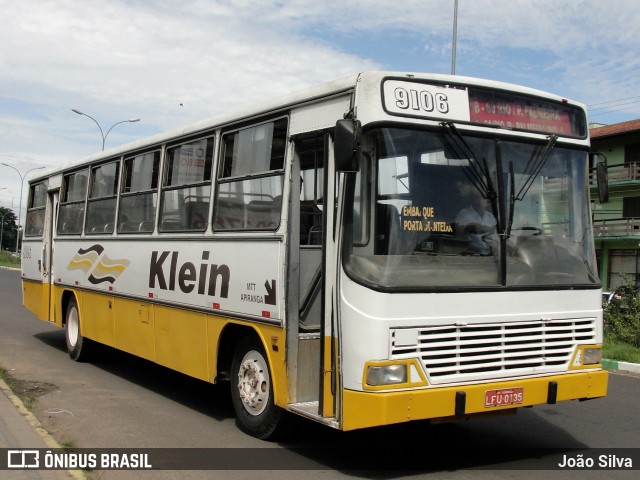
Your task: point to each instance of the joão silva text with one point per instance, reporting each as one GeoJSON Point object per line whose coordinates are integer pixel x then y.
{"type": "Point", "coordinates": [603, 461]}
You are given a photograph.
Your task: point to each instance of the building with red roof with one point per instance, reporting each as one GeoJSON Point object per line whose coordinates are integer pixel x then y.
{"type": "Point", "coordinates": [617, 222]}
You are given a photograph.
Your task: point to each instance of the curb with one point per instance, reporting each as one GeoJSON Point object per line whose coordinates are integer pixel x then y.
{"type": "Point", "coordinates": [623, 366]}
{"type": "Point", "coordinates": [36, 425]}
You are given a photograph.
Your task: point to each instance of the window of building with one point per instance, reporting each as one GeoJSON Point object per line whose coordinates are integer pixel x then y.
{"type": "Point", "coordinates": [623, 263]}
{"type": "Point", "coordinates": [139, 197]}
{"type": "Point", "coordinates": [631, 207]}
{"type": "Point", "coordinates": [72, 202]}
{"type": "Point", "coordinates": [250, 183]}
{"type": "Point", "coordinates": [632, 153]}
{"type": "Point", "coordinates": [101, 207]}
{"type": "Point", "coordinates": [187, 187]}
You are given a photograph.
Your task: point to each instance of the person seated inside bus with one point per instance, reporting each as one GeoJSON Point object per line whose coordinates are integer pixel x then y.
{"type": "Point", "coordinates": [475, 223]}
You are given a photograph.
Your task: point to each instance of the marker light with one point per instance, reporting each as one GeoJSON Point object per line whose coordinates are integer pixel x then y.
{"type": "Point", "coordinates": [387, 374]}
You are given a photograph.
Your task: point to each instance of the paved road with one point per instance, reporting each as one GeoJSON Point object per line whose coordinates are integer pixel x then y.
{"type": "Point", "coordinates": [123, 401]}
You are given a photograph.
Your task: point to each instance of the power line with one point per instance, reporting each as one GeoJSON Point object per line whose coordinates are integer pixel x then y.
{"type": "Point", "coordinates": [636, 102]}
{"type": "Point", "coordinates": [635, 105]}
{"type": "Point", "coordinates": [612, 101]}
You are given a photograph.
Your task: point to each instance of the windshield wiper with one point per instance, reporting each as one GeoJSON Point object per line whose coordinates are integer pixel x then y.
{"type": "Point", "coordinates": [534, 165]}
{"type": "Point", "coordinates": [477, 173]}
{"type": "Point", "coordinates": [531, 170]}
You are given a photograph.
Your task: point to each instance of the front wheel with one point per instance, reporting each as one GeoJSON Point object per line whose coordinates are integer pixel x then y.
{"type": "Point", "coordinates": [79, 348]}
{"type": "Point", "coordinates": [252, 392]}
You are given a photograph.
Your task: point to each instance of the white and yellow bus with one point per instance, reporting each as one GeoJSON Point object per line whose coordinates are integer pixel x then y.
{"type": "Point", "coordinates": [384, 248]}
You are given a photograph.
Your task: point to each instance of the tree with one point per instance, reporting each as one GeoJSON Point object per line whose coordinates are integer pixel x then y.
{"type": "Point", "coordinates": [8, 228]}
{"type": "Point", "coordinates": [622, 314]}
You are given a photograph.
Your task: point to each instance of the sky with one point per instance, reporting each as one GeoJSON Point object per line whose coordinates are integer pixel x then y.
{"type": "Point", "coordinates": [174, 62]}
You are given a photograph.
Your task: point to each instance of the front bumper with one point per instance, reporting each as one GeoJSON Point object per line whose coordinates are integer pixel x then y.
{"type": "Point", "coordinates": [368, 409]}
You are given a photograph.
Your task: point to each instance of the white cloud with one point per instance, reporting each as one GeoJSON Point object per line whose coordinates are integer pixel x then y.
{"type": "Point", "coordinates": [118, 59]}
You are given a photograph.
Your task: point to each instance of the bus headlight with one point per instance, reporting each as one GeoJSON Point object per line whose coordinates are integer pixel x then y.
{"type": "Point", "coordinates": [387, 374]}
{"type": "Point", "coordinates": [591, 356]}
{"type": "Point", "coordinates": [586, 356]}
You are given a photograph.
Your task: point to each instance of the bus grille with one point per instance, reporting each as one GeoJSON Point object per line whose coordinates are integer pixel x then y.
{"type": "Point", "coordinates": [486, 351]}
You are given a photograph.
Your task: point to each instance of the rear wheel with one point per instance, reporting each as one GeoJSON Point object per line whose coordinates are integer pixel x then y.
{"type": "Point", "coordinates": [79, 348]}
{"type": "Point", "coordinates": [252, 392]}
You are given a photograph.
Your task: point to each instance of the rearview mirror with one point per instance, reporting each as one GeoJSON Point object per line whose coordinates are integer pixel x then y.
{"type": "Point", "coordinates": [602, 176]}
{"type": "Point", "coordinates": [346, 145]}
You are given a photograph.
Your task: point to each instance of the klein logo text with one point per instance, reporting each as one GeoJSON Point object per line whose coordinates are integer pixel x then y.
{"type": "Point", "coordinates": [168, 273]}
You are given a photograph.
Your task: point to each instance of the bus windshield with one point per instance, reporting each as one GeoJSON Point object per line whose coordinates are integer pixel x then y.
{"type": "Point", "coordinates": [451, 211]}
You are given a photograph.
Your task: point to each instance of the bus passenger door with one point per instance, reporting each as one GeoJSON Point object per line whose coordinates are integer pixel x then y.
{"type": "Point", "coordinates": [47, 248]}
{"type": "Point", "coordinates": [37, 252]}
{"type": "Point", "coordinates": [306, 304]}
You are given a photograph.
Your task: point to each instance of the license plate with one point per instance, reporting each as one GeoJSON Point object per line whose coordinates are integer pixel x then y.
{"type": "Point", "coordinates": [504, 396]}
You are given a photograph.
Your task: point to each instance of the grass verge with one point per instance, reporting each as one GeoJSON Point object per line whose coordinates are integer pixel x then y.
{"type": "Point", "coordinates": [8, 260]}
{"type": "Point", "coordinates": [620, 351]}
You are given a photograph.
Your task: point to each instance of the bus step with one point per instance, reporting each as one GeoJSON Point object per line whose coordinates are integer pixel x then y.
{"type": "Point", "coordinates": [310, 410]}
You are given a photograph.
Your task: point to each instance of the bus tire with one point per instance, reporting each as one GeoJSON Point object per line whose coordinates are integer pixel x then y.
{"type": "Point", "coordinates": [252, 392]}
{"type": "Point", "coordinates": [79, 348]}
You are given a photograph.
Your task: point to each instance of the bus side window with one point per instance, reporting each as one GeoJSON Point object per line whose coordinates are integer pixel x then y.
{"type": "Point", "coordinates": [139, 195]}
{"type": "Point", "coordinates": [71, 212]}
{"type": "Point", "coordinates": [36, 210]}
{"type": "Point", "coordinates": [101, 207]}
{"type": "Point", "coordinates": [250, 184]}
{"type": "Point", "coordinates": [187, 187]}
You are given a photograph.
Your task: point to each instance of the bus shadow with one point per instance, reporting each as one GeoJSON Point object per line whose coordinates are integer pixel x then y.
{"type": "Point", "coordinates": [208, 399]}
{"type": "Point", "coordinates": [52, 338]}
{"type": "Point", "coordinates": [203, 397]}
{"type": "Point", "coordinates": [526, 441]}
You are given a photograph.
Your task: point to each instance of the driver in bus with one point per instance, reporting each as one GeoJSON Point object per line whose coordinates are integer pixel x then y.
{"type": "Point", "coordinates": [475, 223]}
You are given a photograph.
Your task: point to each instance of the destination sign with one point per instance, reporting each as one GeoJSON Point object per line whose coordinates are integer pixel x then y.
{"type": "Point", "coordinates": [483, 107]}
{"type": "Point", "coordinates": [525, 113]}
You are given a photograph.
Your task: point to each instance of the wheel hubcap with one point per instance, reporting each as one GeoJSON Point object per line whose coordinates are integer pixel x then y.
{"type": "Point", "coordinates": [253, 383]}
{"type": "Point", "coordinates": [73, 327]}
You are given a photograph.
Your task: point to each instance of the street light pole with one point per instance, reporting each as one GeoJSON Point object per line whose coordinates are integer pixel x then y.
{"type": "Point", "coordinates": [454, 40]}
{"type": "Point", "coordinates": [104, 136]}
{"type": "Point", "coordinates": [22, 179]}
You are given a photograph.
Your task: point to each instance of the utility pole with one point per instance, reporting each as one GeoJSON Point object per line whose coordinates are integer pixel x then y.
{"type": "Point", "coordinates": [455, 37]}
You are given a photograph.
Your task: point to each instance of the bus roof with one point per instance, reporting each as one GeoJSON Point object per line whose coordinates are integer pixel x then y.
{"type": "Point", "coordinates": [335, 87]}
